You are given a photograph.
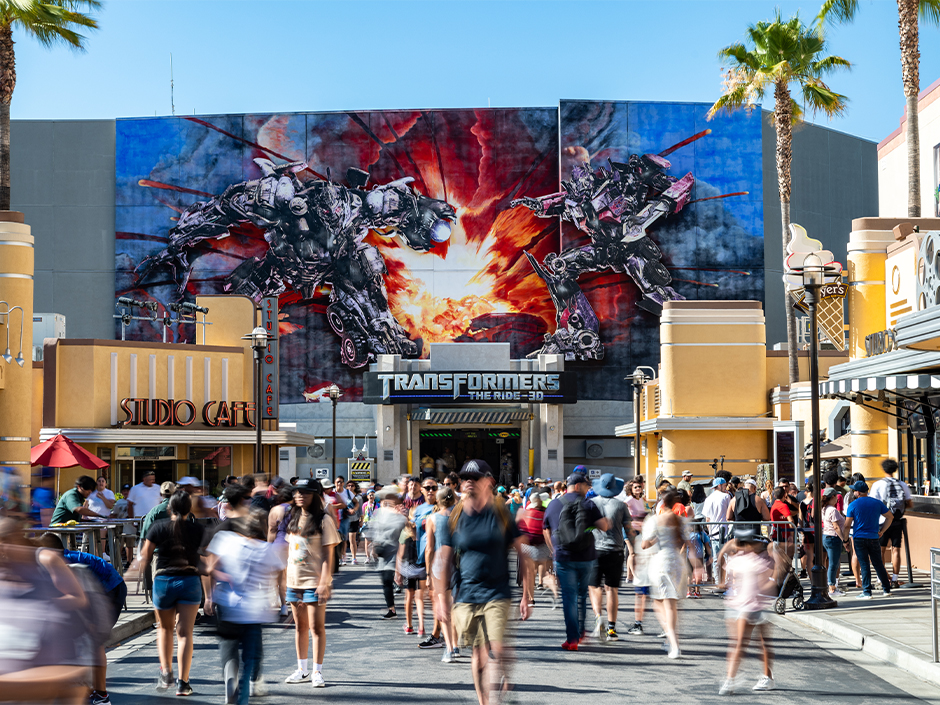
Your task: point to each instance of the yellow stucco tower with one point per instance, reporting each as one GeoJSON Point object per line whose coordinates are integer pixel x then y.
{"type": "Point", "coordinates": [16, 336]}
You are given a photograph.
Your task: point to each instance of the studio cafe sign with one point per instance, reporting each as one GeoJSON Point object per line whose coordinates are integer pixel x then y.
{"type": "Point", "coordinates": [182, 412]}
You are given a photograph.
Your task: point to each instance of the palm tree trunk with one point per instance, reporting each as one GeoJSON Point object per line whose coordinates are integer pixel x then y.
{"type": "Point", "coordinates": [783, 124]}
{"type": "Point", "coordinates": [7, 84]}
{"type": "Point", "coordinates": [910, 74]}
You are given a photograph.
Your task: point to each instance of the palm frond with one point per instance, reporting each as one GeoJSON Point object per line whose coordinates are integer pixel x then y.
{"type": "Point", "coordinates": [829, 64]}
{"type": "Point", "coordinates": [836, 12]}
{"type": "Point", "coordinates": [818, 96]}
{"type": "Point", "coordinates": [52, 21]}
{"type": "Point", "coordinates": [930, 11]}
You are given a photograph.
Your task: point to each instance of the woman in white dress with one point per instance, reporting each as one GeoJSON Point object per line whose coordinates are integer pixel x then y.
{"type": "Point", "coordinates": [668, 567]}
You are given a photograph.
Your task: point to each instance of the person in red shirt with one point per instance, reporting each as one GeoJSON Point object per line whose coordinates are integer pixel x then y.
{"type": "Point", "coordinates": [534, 550]}
{"type": "Point", "coordinates": [781, 510]}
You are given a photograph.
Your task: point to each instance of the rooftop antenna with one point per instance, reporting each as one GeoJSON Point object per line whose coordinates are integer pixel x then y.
{"type": "Point", "coordinates": [172, 101]}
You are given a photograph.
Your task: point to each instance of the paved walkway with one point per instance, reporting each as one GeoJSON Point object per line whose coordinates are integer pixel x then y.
{"type": "Point", "coordinates": [137, 617]}
{"type": "Point", "coordinates": [897, 630]}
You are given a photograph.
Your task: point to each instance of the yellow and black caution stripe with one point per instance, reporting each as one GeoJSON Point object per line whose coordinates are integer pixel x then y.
{"type": "Point", "coordinates": [360, 465]}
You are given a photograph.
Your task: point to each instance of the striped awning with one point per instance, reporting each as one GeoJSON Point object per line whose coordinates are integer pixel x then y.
{"type": "Point", "coordinates": [458, 416]}
{"type": "Point", "coordinates": [889, 383]}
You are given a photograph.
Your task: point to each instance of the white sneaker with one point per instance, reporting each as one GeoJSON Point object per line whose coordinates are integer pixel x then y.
{"type": "Point", "coordinates": [257, 689]}
{"type": "Point", "coordinates": [597, 628]}
{"type": "Point", "coordinates": [837, 593]}
{"type": "Point", "coordinates": [727, 687]}
{"type": "Point", "coordinates": [298, 676]}
{"type": "Point", "coordinates": [765, 683]}
{"type": "Point", "coordinates": [317, 680]}
{"type": "Point", "coordinates": [448, 656]}
{"type": "Point", "coordinates": [674, 653]}
{"type": "Point", "coordinates": [863, 596]}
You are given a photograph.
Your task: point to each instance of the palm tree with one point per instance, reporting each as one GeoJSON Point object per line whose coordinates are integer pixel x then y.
{"type": "Point", "coordinates": [777, 55]}
{"type": "Point", "coordinates": [929, 10]}
{"type": "Point", "coordinates": [50, 22]}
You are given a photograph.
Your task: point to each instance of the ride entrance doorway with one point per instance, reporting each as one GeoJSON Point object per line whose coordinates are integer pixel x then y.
{"type": "Point", "coordinates": [498, 447]}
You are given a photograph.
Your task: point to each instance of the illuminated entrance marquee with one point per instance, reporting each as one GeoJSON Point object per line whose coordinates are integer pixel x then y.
{"type": "Point", "coordinates": [182, 412]}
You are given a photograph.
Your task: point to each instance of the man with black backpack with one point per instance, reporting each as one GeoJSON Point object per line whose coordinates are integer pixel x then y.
{"type": "Point", "coordinates": [569, 521]}
{"type": "Point", "coordinates": [896, 495]}
{"type": "Point", "coordinates": [747, 506]}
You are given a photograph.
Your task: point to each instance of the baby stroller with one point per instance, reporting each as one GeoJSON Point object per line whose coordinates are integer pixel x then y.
{"type": "Point", "coordinates": [790, 587]}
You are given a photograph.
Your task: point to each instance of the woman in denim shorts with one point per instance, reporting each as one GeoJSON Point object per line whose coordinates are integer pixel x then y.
{"type": "Point", "coordinates": [177, 587]}
{"type": "Point", "coordinates": [311, 538]}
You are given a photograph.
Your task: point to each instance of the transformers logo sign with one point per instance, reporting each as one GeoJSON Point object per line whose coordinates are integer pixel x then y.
{"type": "Point", "coordinates": [469, 387]}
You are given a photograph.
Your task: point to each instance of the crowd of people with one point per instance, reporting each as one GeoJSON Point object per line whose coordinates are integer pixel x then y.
{"type": "Point", "coordinates": [449, 550]}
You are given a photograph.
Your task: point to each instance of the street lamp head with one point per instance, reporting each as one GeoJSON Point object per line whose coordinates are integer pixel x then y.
{"type": "Point", "coordinates": [258, 338]}
{"type": "Point", "coordinates": [639, 377]}
{"type": "Point", "coordinates": [814, 272]}
{"type": "Point", "coordinates": [334, 392]}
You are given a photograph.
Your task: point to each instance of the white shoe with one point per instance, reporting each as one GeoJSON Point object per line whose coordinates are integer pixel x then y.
{"type": "Point", "coordinates": [727, 687]}
{"type": "Point", "coordinates": [298, 676]}
{"type": "Point", "coordinates": [674, 653]}
{"type": "Point", "coordinates": [837, 593]}
{"type": "Point", "coordinates": [448, 656]}
{"type": "Point", "coordinates": [597, 628]}
{"type": "Point", "coordinates": [862, 596]}
{"type": "Point", "coordinates": [317, 680]}
{"type": "Point", "coordinates": [765, 683]}
{"type": "Point", "coordinates": [257, 689]}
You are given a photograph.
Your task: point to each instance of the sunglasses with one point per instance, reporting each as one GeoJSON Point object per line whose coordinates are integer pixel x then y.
{"type": "Point", "coordinates": [429, 487]}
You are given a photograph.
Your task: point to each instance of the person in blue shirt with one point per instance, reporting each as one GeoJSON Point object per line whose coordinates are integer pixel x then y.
{"type": "Point", "coordinates": [114, 588]}
{"type": "Point", "coordinates": [863, 515]}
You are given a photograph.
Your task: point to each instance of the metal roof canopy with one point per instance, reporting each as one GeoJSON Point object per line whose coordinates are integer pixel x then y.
{"type": "Point", "coordinates": [457, 416]}
{"type": "Point", "coordinates": [889, 383]}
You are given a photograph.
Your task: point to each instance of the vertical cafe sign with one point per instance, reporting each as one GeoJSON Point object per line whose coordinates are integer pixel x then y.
{"type": "Point", "coordinates": [269, 363]}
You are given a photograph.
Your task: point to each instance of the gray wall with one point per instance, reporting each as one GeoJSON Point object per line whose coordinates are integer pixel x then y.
{"type": "Point", "coordinates": [62, 179]}
{"type": "Point", "coordinates": [835, 179]}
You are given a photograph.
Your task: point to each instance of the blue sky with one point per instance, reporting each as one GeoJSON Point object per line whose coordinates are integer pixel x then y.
{"type": "Point", "coordinates": [238, 56]}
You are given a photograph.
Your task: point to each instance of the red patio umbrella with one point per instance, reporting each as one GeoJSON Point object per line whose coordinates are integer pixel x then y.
{"type": "Point", "coordinates": [61, 452]}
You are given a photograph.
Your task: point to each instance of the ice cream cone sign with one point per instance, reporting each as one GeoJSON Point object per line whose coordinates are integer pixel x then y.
{"type": "Point", "coordinates": [800, 246]}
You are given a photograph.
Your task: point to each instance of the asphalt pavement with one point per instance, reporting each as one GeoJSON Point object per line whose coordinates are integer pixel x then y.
{"type": "Point", "coordinates": [371, 660]}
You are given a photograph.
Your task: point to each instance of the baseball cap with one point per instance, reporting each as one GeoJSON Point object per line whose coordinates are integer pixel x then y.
{"type": "Point", "coordinates": [830, 492]}
{"type": "Point", "coordinates": [475, 470]}
{"type": "Point", "coordinates": [190, 480]}
{"type": "Point", "coordinates": [307, 484]}
{"type": "Point", "coordinates": [148, 472]}
{"type": "Point", "coordinates": [576, 478]}
{"type": "Point", "coordinates": [686, 473]}
{"type": "Point", "coordinates": [719, 481]}
{"type": "Point", "coordinates": [327, 484]}
{"type": "Point", "coordinates": [387, 492]}
{"type": "Point", "coordinates": [860, 486]}
{"type": "Point", "coordinates": [750, 481]}
{"type": "Point", "coordinates": [167, 488]}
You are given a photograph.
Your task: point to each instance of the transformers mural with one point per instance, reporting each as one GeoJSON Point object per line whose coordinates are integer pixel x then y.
{"type": "Point", "coordinates": [385, 231]}
{"type": "Point", "coordinates": [315, 230]}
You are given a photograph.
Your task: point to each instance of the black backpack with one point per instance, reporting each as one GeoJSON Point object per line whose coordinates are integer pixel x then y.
{"type": "Point", "coordinates": [574, 534]}
{"type": "Point", "coordinates": [744, 509]}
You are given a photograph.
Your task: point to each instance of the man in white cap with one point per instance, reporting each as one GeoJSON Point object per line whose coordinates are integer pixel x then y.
{"type": "Point", "coordinates": [686, 482]}
{"type": "Point", "coordinates": [715, 511]}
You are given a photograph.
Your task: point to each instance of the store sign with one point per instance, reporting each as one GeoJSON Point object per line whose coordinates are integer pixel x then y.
{"type": "Point", "coordinates": [182, 412]}
{"type": "Point", "coordinates": [881, 342]}
{"type": "Point", "coordinates": [469, 387]}
{"type": "Point", "coordinates": [833, 291]}
{"type": "Point", "coordinates": [269, 363]}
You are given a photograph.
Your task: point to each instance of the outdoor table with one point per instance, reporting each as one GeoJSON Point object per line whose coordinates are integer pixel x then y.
{"type": "Point", "coordinates": [69, 533]}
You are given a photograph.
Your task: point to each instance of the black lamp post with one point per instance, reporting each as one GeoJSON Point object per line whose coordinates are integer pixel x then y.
{"type": "Point", "coordinates": [259, 343]}
{"type": "Point", "coordinates": [639, 378]}
{"type": "Point", "coordinates": [814, 278]}
{"type": "Point", "coordinates": [335, 393]}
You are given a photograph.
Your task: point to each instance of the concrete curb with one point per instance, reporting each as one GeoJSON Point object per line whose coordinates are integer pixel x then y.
{"type": "Point", "coordinates": [132, 627]}
{"type": "Point", "coordinates": [876, 645]}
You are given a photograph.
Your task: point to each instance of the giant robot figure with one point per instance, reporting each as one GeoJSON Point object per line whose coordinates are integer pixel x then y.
{"type": "Point", "coordinates": [314, 230]}
{"type": "Point", "coordinates": [615, 206]}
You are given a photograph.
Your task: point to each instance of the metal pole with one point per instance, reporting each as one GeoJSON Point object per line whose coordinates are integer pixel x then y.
{"type": "Point", "coordinates": [907, 556]}
{"type": "Point", "coordinates": [819, 599]}
{"type": "Point", "coordinates": [636, 432]}
{"type": "Point", "coordinates": [258, 395]}
{"type": "Point", "coordinates": [333, 478]}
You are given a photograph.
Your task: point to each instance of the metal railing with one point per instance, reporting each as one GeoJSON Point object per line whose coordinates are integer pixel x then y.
{"type": "Point", "coordinates": [934, 596]}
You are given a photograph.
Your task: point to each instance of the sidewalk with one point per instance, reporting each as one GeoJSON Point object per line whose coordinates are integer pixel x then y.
{"type": "Point", "coordinates": [138, 616]}
{"type": "Point", "coordinates": [897, 630]}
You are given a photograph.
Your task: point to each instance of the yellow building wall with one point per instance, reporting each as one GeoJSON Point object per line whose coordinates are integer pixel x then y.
{"type": "Point", "coordinates": [702, 447]}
